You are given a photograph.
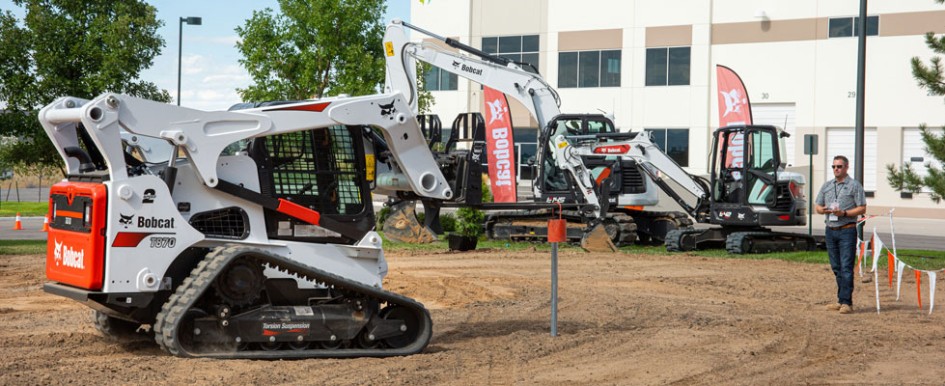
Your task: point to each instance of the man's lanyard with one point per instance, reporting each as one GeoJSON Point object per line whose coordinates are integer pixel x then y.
{"type": "Point", "coordinates": [836, 195]}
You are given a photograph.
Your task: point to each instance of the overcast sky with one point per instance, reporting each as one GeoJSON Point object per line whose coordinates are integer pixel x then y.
{"type": "Point", "coordinates": [210, 62]}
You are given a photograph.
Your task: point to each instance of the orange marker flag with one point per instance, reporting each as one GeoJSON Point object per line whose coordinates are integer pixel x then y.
{"type": "Point", "coordinates": [918, 286]}
{"type": "Point", "coordinates": [890, 265]}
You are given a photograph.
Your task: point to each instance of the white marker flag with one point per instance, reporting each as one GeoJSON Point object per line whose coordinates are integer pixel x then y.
{"type": "Point", "coordinates": [931, 290]}
{"type": "Point", "coordinates": [877, 247]}
{"type": "Point", "coordinates": [900, 265]}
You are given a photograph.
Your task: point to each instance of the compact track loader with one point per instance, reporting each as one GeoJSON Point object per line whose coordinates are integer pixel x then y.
{"type": "Point", "coordinates": [241, 234]}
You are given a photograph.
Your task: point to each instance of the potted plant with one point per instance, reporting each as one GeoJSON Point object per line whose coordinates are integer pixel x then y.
{"type": "Point", "coordinates": [469, 226]}
{"type": "Point", "coordinates": [470, 223]}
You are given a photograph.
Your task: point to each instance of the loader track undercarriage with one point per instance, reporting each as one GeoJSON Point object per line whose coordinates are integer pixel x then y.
{"type": "Point", "coordinates": [226, 309]}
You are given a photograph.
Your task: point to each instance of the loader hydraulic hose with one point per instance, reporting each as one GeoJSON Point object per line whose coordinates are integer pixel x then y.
{"type": "Point", "coordinates": [85, 162]}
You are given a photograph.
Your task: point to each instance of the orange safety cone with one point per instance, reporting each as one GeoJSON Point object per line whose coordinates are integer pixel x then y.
{"type": "Point", "coordinates": [46, 223]}
{"type": "Point", "coordinates": [18, 224]}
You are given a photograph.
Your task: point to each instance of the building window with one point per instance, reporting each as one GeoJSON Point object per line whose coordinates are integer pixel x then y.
{"type": "Point", "coordinates": [667, 66]}
{"type": "Point", "coordinates": [589, 69]}
{"type": "Point", "coordinates": [844, 27]}
{"type": "Point", "coordinates": [436, 79]}
{"type": "Point", "coordinates": [673, 142]}
{"type": "Point", "coordinates": [516, 48]}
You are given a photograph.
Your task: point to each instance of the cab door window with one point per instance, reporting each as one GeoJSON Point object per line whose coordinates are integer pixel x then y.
{"type": "Point", "coordinates": [762, 161]}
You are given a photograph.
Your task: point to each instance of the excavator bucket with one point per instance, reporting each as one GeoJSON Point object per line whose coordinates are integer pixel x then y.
{"type": "Point", "coordinates": [402, 225]}
{"type": "Point", "coordinates": [596, 239]}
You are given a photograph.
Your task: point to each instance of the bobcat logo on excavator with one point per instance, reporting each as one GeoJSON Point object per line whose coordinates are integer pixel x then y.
{"type": "Point", "coordinates": [388, 110]}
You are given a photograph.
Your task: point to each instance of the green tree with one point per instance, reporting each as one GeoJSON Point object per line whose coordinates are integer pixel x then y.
{"type": "Point", "coordinates": [76, 48]}
{"type": "Point", "coordinates": [424, 97]}
{"type": "Point", "coordinates": [313, 49]}
{"type": "Point", "coordinates": [930, 77]}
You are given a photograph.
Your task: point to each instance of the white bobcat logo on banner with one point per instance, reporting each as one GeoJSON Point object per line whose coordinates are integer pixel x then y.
{"type": "Point", "coordinates": [733, 101]}
{"type": "Point", "coordinates": [496, 110]}
{"type": "Point", "coordinates": [67, 256]}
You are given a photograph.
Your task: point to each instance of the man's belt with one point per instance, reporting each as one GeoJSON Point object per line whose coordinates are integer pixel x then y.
{"type": "Point", "coordinates": [845, 226]}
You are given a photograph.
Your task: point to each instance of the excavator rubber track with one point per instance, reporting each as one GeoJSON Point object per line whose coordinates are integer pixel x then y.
{"type": "Point", "coordinates": [765, 242]}
{"type": "Point", "coordinates": [738, 241]}
{"type": "Point", "coordinates": [682, 240]}
{"type": "Point", "coordinates": [168, 328]}
{"type": "Point", "coordinates": [533, 226]}
{"type": "Point", "coordinates": [653, 226]}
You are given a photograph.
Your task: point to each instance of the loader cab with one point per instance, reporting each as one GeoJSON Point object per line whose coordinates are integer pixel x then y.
{"type": "Point", "coordinates": [323, 169]}
{"type": "Point", "coordinates": [746, 189]}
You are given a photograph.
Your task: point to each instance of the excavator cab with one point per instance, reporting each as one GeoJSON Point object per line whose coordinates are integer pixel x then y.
{"type": "Point", "coordinates": [749, 184]}
{"type": "Point", "coordinates": [623, 174]}
{"type": "Point", "coordinates": [749, 190]}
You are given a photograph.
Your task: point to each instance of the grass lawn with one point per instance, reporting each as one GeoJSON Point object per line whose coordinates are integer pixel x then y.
{"type": "Point", "coordinates": [920, 259]}
{"type": "Point", "coordinates": [926, 260]}
{"type": "Point", "coordinates": [11, 208]}
{"type": "Point", "coordinates": [22, 247]}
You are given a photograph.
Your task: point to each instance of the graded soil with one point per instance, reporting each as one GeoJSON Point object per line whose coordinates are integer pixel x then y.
{"type": "Point", "coordinates": [623, 319]}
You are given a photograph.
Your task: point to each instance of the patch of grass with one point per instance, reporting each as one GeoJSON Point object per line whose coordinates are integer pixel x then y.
{"type": "Point", "coordinates": [920, 259]}
{"type": "Point", "coordinates": [11, 208]}
{"type": "Point", "coordinates": [442, 245]}
{"type": "Point", "coordinates": [924, 260]}
{"type": "Point", "coordinates": [22, 247]}
{"type": "Point", "coordinates": [817, 257]}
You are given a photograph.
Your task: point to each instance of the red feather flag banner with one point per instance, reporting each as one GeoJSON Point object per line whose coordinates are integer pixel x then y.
{"type": "Point", "coordinates": [918, 286]}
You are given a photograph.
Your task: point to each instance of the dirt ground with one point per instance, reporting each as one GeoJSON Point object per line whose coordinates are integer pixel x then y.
{"type": "Point", "coordinates": [623, 319]}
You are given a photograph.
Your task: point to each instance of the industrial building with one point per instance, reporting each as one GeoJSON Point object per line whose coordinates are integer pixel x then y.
{"type": "Point", "coordinates": [651, 63]}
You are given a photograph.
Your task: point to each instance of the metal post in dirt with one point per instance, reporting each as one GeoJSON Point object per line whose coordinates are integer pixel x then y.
{"type": "Point", "coordinates": [557, 230]}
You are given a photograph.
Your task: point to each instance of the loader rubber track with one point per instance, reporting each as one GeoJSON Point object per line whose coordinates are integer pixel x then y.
{"type": "Point", "coordinates": [167, 328]}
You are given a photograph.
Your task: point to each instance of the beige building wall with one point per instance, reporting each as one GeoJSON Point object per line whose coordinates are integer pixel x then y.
{"type": "Point", "coordinates": [780, 49]}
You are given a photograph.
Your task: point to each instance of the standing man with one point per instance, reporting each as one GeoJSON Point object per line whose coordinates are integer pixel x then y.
{"type": "Point", "coordinates": [842, 199]}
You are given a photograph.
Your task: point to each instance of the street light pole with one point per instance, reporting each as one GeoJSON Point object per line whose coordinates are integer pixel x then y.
{"type": "Point", "coordinates": [191, 20]}
{"type": "Point", "coordinates": [859, 129]}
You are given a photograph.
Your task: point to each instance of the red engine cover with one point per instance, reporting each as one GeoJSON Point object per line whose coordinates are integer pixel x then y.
{"type": "Point", "coordinates": [75, 247]}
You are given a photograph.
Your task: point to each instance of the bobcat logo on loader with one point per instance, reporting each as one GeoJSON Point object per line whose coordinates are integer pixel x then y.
{"type": "Point", "coordinates": [388, 110]}
{"type": "Point", "coordinates": [126, 219]}
{"type": "Point", "coordinates": [67, 256]}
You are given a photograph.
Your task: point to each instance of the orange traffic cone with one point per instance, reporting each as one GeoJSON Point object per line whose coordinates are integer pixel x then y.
{"type": "Point", "coordinates": [46, 223]}
{"type": "Point", "coordinates": [18, 224]}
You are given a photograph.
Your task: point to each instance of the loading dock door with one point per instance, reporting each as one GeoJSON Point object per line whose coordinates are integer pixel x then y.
{"type": "Point", "coordinates": [840, 142]}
